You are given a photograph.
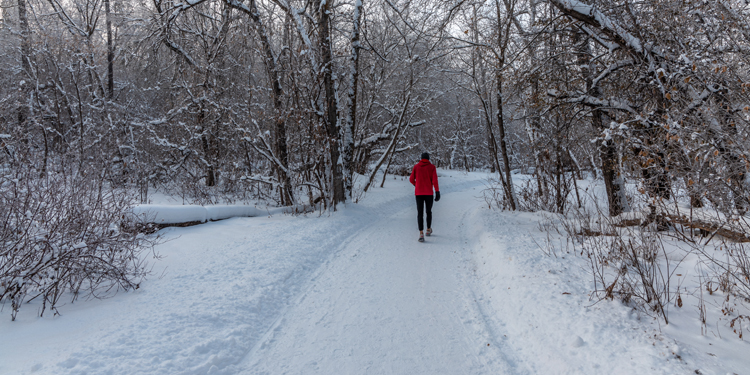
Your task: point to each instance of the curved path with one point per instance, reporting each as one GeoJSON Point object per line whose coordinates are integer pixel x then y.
{"type": "Point", "coordinates": [387, 304]}
{"type": "Point", "coordinates": [349, 293]}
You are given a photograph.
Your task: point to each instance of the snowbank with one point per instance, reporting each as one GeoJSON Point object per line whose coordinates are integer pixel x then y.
{"type": "Point", "coordinates": [168, 214]}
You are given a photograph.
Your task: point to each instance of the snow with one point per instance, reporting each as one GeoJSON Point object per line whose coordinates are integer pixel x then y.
{"type": "Point", "coordinates": [604, 22]}
{"type": "Point", "coordinates": [171, 214]}
{"type": "Point", "coordinates": [353, 292]}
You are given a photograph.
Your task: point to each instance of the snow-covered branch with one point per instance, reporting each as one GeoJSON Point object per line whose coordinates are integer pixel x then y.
{"type": "Point", "coordinates": [592, 16]}
{"type": "Point", "coordinates": [592, 101]}
{"type": "Point", "coordinates": [611, 69]}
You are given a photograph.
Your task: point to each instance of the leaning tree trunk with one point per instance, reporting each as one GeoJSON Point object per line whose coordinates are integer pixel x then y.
{"type": "Point", "coordinates": [491, 142]}
{"type": "Point", "coordinates": [509, 191]}
{"type": "Point", "coordinates": [392, 146]}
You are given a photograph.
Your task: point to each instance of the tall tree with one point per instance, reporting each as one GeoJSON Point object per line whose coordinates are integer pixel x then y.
{"type": "Point", "coordinates": [503, 36]}
{"type": "Point", "coordinates": [351, 108]}
{"type": "Point", "coordinates": [110, 52]}
{"type": "Point", "coordinates": [27, 74]}
{"type": "Point", "coordinates": [325, 43]}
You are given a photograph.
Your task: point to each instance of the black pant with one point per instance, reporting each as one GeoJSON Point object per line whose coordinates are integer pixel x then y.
{"type": "Point", "coordinates": [424, 201]}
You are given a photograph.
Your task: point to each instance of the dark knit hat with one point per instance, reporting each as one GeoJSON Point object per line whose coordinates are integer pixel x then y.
{"type": "Point", "coordinates": [425, 155]}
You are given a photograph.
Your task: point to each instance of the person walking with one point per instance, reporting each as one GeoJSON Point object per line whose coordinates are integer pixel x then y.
{"type": "Point", "coordinates": [424, 178]}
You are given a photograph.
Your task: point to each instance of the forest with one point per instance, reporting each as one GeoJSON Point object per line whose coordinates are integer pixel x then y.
{"type": "Point", "coordinates": [313, 102]}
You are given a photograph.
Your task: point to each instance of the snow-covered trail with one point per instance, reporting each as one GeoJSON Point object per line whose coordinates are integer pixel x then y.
{"type": "Point", "coordinates": [478, 297]}
{"type": "Point", "coordinates": [219, 288]}
{"type": "Point", "coordinates": [349, 293]}
{"type": "Point", "coordinates": [388, 304]}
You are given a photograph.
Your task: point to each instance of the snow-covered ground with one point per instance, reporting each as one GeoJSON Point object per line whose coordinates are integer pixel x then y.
{"type": "Point", "coordinates": [354, 293]}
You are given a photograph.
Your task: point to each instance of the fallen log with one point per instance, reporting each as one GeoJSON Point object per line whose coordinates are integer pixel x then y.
{"type": "Point", "coordinates": [709, 228]}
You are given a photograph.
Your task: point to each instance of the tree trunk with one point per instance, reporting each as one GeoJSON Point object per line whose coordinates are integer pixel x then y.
{"type": "Point", "coordinates": [492, 146]}
{"type": "Point", "coordinates": [110, 53]}
{"type": "Point", "coordinates": [351, 117]}
{"type": "Point", "coordinates": [610, 175]}
{"type": "Point", "coordinates": [509, 190]}
{"type": "Point", "coordinates": [736, 168]}
{"type": "Point", "coordinates": [332, 124]}
{"type": "Point", "coordinates": [607, 151]}
{"type": "Point", "coordinates": [210, 175]}
{"type": "Point", "coordinates": [480, 90]}
{"type": "Point", "coordinates": [23, 109]}
{"type": "Point", "coordinates": [532, 120]}
{"type": "Point", "coordinates": [388, 165]}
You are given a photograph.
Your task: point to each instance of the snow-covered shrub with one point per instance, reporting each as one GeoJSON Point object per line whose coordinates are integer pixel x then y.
{"type": "Point", "coordinates": [64, 237]}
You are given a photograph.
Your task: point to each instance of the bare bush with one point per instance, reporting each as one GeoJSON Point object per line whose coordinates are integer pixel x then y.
{"type": "Point", "coordinates": [728, 272]}
{"type": "Point", "coordinates": [62, 238]}
{"type": "Point", "coordinates": [633, 268]}
{"type": "Point", "coordinates": [529, 197]}
{"type": "Point", "coordinates": [630, 263]}
{"type": "Point", "coordinates": [494, 194]}
{"type": "Point", "coordinates": [634, 258]}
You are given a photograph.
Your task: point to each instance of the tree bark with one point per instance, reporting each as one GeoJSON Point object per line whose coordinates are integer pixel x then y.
{"type": "Point", "coordinates": [351, 117]}
{"type": "Point", "coordinates": [610, 175]}
{"type": "Point", "coordinates": [110, 52]}
{"type": "Point", "coordinates": [509, 191]}
{"type": "Point", "coordinates": [25, 83]}
{"type": "Point", "coordinates": [210, 173]}
{"type": "Point", "coordinates": [332, 123]}
{"type": "Point", "coordinates": [608, 150]}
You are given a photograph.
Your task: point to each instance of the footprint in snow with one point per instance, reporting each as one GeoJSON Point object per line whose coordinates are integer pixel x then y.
{"type": "Point", "coordinates": [578, 342]}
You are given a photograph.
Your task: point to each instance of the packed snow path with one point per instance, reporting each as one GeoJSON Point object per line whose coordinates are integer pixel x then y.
{"type": "Point", "coordinates": [349, 293]}
{"type": "Point", "coordinates": [387, 304]}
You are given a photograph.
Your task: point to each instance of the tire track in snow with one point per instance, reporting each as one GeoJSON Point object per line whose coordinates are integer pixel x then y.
{"type": "Point", "coordinates": [490, 319]}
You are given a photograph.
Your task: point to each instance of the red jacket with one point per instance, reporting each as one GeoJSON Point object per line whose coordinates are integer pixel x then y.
{"type": "Point", "coordinates": [424, 177]}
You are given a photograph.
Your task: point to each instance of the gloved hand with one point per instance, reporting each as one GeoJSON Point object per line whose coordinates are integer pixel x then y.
{"type": "Point", "coordinates": [437, 196]}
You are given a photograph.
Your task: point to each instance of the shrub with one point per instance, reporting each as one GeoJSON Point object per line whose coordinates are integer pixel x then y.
{"type": "Point", "coordinates": [63, 237]}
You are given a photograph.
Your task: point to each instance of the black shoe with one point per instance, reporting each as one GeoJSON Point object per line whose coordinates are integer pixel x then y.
{"type": "Point", "coordinates": [421, 237]}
